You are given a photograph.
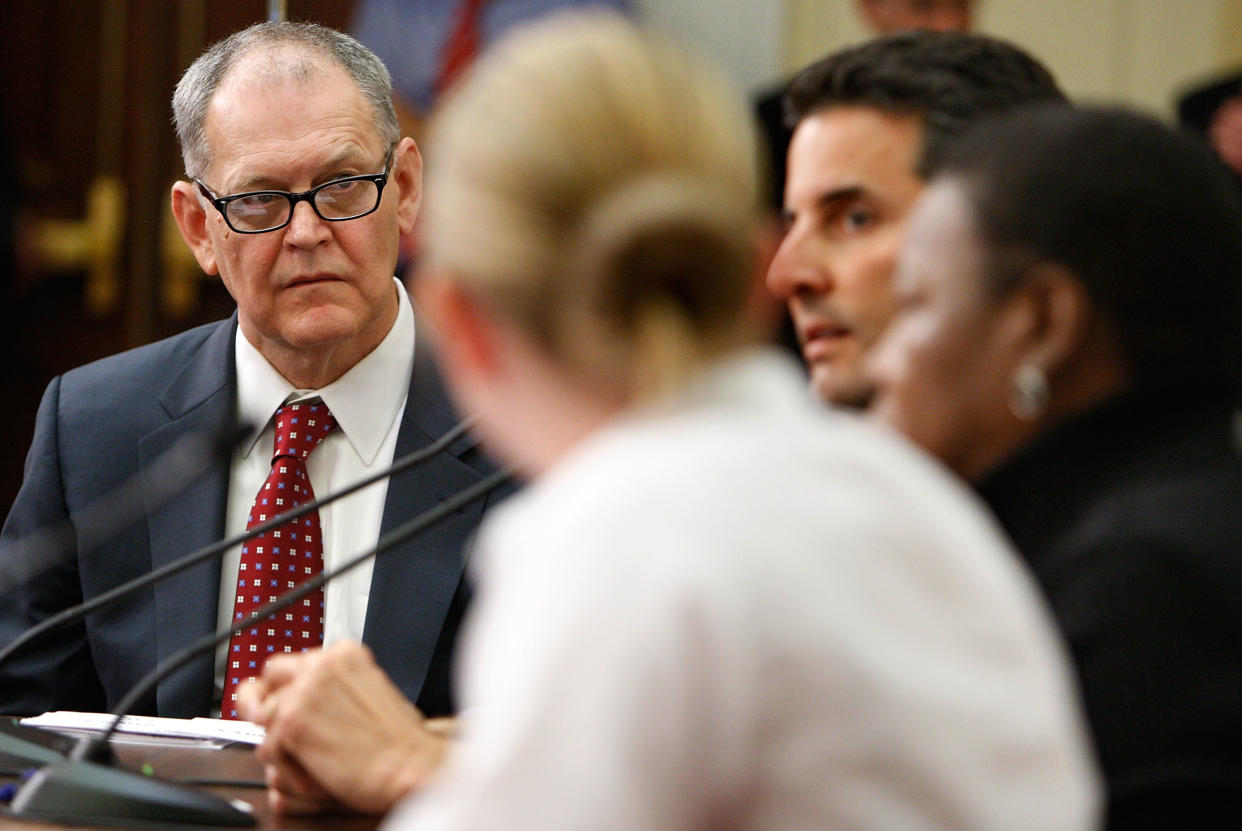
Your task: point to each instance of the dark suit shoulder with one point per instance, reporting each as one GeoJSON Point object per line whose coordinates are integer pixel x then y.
{"type": "Point", "coordinates": [101, 411]}
{"type": "Point", "coordinates": [127, 388]}
{"type": "Point", "coordinates": [1145, 587]}
{"type": "Point", "coordinates": [1175, 506]}
{"type": "Point", "coordinates": [1130, 520]}
{"type": "Point", "coordinates": [142, 368]}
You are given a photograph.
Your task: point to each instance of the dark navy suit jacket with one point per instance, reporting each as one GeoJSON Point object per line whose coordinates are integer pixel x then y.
{"type": "Point", "coordinates": [112, 421]}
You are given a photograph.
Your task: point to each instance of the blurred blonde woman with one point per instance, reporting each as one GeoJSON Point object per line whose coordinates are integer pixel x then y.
{"type": "Point", "coordinates": [715, 606]}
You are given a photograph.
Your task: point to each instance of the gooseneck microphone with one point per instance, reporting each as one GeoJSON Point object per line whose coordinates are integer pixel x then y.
{"type": "Point", "coordinates": [23, 747]}
{"type": "Point", "coordinates": [80, 790]}
{"type": "Point", "coordinates": [208, 642]}
{"type": "Point", "coordinates": [73, 614]}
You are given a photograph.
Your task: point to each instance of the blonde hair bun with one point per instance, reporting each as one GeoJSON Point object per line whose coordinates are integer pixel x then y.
{"type": "Point", "coordinates": [598, 186]}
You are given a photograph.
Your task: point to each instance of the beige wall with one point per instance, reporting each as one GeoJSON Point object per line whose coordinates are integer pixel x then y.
{"type": "Point", "coordinates": [746, 37]}
{"type": "Point", "coordinates": [1137, 52]}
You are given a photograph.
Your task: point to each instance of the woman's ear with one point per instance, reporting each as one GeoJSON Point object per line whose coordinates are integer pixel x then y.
{"type": "Point", "coordinates": [191, 215]}
{"type": "Point", "coordinates": [1059, 316]}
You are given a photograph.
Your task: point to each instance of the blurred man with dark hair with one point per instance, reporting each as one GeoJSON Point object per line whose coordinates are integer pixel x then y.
{"type": "Point", "coordinates": [868, 122]}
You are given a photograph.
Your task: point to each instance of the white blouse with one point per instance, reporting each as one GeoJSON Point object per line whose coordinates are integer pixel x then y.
{"type": "Point", "coordinates": [739, 611]}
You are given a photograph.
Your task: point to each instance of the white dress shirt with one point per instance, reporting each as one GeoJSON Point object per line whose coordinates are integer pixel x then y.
{"type": "Point", "coordinates": [742, 612]}
{"type": "Point", "coordinates": [367, 403]}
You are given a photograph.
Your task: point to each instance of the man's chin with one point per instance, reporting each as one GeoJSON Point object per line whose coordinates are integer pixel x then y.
{"type": "Point", "coordinates": [839, 389]}
{"type": "Point", "coordinates": [319, 327]}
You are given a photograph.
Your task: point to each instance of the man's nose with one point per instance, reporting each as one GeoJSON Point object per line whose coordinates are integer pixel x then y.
{"type": "Point", "coordinates": [797, 268]}
{"type": "Point", "coordinates": [306, 228]}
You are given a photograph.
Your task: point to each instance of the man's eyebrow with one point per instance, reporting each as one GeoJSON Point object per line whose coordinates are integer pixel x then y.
{"type": "Point", "coordinates": [254, 183]}
{"type": "Point", "coordinates": [828, 201]}
{"type": "Point", "coordinates": [350, 155]}
{"type": "Point", "coordinates": [836, 197]}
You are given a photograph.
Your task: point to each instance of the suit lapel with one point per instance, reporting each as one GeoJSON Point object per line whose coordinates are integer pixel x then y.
{"type": "Point", "coordinates": [202, 398]}
{"type": "Point", "coordinates": [413, 583]}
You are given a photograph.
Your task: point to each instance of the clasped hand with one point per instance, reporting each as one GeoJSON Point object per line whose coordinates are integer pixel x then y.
{"type": "Point", "coordinates": [340, 735]}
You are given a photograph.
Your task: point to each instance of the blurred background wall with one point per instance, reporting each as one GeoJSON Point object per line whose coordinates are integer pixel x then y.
{"type": "Point", "coordinates": [90, 262]}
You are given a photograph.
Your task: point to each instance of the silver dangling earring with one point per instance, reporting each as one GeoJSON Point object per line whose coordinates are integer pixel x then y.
{"type": "Point", "coordinates": [1028, 392]}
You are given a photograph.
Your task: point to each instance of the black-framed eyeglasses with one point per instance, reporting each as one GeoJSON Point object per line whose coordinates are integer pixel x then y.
{"type": "Point", "coordinates": [260, 211]}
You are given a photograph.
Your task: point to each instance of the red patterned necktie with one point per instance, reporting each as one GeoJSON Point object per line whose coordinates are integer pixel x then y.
{"type": "Point", "coordinates": [285, 557]}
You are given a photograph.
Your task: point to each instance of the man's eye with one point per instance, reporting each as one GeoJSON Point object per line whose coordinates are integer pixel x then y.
{"type": "Point", "coordinates": [341, 188]}
{"type": "Point", "coordinates": [258, 201]}
{"type": "Point", "coordinates": [856, 219]}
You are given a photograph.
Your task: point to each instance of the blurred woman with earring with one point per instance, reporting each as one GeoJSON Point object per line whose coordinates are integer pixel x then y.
{"type": "Point", "coordinates": [1069, 339]}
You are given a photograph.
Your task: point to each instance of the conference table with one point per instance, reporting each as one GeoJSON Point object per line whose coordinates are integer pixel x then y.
{"type": "Point", "coordinates": [231, 772]}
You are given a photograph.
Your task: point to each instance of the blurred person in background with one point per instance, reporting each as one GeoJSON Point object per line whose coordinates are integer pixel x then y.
{"type": "Point", "coordinates": [428, 44]}
{"type": "Point", "coordinates": [1213, 111]}
{"type": "Point", "coordinates": [886, 17]}
{"type": "Point", "coordinates": [1067, 336]}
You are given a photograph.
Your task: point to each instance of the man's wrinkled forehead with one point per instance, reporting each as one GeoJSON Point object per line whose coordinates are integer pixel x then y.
{"type": "Point", "coordinates": [268, 103]}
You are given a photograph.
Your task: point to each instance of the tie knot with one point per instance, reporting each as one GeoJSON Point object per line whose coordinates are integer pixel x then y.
{"type": "Point", "coordinates": [300, 428]}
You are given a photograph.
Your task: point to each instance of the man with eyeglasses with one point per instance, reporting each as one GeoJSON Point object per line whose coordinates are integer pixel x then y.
{"type": "Point", "coordinates": [299, 185]}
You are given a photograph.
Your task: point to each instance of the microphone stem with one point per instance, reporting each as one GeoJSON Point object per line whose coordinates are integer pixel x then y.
{"type": "Point", "coordinates": [76, 613]}
{"type": "Point", "coordinates": [189, 653]}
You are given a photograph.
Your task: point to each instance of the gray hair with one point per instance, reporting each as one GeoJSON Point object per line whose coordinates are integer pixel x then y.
{"type": "Point", "coordinates": [199, 83]}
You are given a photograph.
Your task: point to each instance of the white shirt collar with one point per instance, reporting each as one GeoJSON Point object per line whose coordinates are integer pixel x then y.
{"type": "Point", "coordinates": [365, 401]}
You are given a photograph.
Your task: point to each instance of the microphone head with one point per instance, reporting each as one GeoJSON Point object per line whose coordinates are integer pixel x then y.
{"type": "Point", "coordinates": [82, 793]}
{"type": "Point", "coordinates": [93, 749]}
{"type": "Point", "coordinates": [24, 747]}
